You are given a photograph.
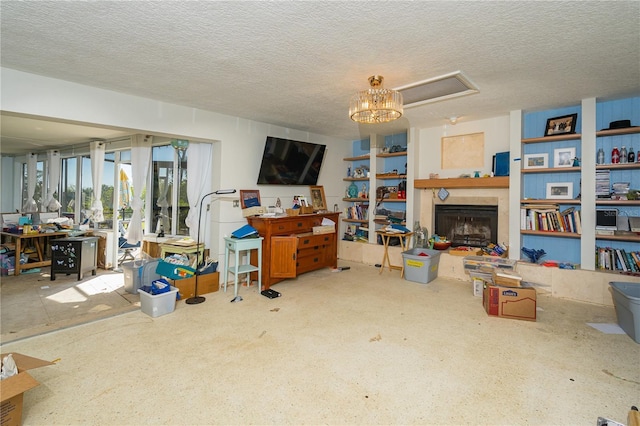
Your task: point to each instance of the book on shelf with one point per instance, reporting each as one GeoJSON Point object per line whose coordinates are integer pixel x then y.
{"type": "Point", "coordinates": [617, 260]}
{"type": "Point", "coordinates": [535, 218]}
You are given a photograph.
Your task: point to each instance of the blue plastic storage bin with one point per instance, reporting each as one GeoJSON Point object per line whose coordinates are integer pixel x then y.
{"type": "Point", "coordinates": [626, 298]}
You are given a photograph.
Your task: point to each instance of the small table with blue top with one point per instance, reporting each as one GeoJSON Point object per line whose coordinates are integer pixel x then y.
{"type": "Point", "coordinates": [238, 245]}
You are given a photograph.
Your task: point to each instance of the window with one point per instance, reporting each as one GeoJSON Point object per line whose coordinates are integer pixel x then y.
{"type": "Point", "coordinates": [107, 196]}
{"type": "Point", "coordinates": [86, 195]}
{"type": "Point", "coordinates": [168, 191]}
{"type": "Point", "coordinates": [37, 195]}
{"type": "Point", "coordinates": [69, 183]}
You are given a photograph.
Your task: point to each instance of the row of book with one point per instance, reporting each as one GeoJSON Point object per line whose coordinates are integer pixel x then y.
{"type": "Point", "coordinates": [357, 212]}
{"type": "Point", "coordinates": [548, 217]}
{"type": "Point", "coordinates": [620, 260]}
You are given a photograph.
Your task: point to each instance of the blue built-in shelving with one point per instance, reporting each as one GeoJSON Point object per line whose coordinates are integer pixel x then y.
{"type": "Point", "coordinates": [607, 112]}
{"type": "Point", "coordinates": [591, 133]}
{"type": "Point", "coordinates": [394, 160]}
{"type": "Point", "coordinates": [378, 155]}
{"type": "Point", "coordinates": [560, 246]}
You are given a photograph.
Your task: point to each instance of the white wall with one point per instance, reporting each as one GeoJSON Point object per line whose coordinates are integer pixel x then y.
{"type": "Point", "coordinates": [496, 139]}
{"type": "Point", "coordinates": [237, 149]}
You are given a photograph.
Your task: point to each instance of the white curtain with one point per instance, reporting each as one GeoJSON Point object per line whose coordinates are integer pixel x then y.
{"type": "Point", "coordinates": [96, 152]}
{"type": "Point", "coordinates": [140, 162]}
{"type": "Point", "coordinates": [53, 165]}
{"type": "Point", "coordinates": [32, 164]}
{"type": "Point", "coordinates": [198, 185]}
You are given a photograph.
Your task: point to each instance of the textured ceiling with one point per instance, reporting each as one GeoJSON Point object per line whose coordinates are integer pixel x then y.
{"type": "Point", "coordinates": [296, 64]}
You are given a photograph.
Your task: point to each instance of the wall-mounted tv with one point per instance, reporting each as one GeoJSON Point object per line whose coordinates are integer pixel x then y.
{"type": "Point", "coordinates": [289, 162]}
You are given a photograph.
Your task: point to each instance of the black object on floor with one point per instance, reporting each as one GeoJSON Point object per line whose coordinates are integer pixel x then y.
{"type": "Point", "coordinates": [271, 294]}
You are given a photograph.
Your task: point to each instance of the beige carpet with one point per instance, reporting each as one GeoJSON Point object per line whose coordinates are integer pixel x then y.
{"type": "Point", "coordinates": [353, 347]}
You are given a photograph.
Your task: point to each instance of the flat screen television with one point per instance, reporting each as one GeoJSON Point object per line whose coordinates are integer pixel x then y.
{"type": "Point", "coordinates": [289, 162]}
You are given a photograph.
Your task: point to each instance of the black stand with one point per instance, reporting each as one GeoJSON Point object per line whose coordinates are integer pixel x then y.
{"type": "Point", "coordinates": [195, 300]}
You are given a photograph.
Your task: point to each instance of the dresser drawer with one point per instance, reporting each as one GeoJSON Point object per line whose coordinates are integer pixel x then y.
{"type": "Point", "coordinates": [291, 226]}
{"type": "Point", "coordinates": [310, 240]}
{"type": "Point", "coordinates": [311, 263]}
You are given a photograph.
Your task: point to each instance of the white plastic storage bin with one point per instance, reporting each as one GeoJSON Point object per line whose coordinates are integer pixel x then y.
{"type": "Point", "coordinates": [159, 304]}
{"type": "Point", "coordinates": [626, 298]}
{"type": "Point", "coordinates": [420, 265]}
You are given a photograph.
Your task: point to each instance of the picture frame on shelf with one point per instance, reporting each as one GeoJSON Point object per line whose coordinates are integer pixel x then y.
{"type": "Point", "coordinates": [560, 190]}
{"type": "Point", "coordinates": [249, 198]}
{"type": "Point", "coordinates": [563, 157]}
{"type": "Point", "coordinates": [563, 125]}
{"type": "Point", "coordinates": [318, 200]}
{"type": "Point", "coordinates": [536, 161]}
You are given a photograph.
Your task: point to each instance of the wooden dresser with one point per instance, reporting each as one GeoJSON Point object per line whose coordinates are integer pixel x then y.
{"type": "Point", "coordinates": [290, 248]}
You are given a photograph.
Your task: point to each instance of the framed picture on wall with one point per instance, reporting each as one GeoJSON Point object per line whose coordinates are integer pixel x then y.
{"type": "Point", "coordinates": [536, 161]}
{"type": "Point", "coordinates": [563, 157]}
{"type": "Point", "coordinates": [249, 198]}
{"type": "Point", "coordinates": [318, 201]}
{"type": "Point", "coordinates": [562, 125]}
{"type": "Point", "coordinates": [560, 190]}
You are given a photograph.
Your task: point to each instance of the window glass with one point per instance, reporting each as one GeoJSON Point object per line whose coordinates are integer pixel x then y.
{"type": "Point", "coordinates": [162, 189]}
{"type": "Point", "coordinates": [125, 187]}
{"type": "Point", "coordinates": [107, 195]}
{"type": "Point", "coordinates": [169, 191]}
{"type": "Point", "coordinates": [86, 196]}
{"type": "Point", "coordinates": [68, 176]}
{"type": "Point", "coordinates": [37, 195]}
{"type": "Point", "coordinates": [183, 201]}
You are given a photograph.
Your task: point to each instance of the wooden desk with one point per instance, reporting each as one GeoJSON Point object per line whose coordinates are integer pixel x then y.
{"type": "Point", "coordinates": [405, 238]}
{"type": "Point", "coordinates": [39, 241]}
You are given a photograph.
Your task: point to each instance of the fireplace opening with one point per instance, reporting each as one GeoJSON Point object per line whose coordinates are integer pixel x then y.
{"type": "Point", "coordinates": [467, 225]}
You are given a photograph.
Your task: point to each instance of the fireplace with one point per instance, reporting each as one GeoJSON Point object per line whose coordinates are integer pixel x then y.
{"type": "Point", "coordinates": [467, 225]}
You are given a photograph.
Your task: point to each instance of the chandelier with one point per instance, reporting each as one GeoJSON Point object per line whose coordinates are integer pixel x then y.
{"type": "Point", "coordinates": [376, 105]}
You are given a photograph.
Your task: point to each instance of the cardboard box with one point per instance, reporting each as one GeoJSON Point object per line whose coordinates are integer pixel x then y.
{"type": "Point", "coordinates": [207, 283]}
{"type": "Point", "coordinates": [510, 302]}
{"type": "Point", "coordinates": [506, 278]}
{"type": "Point", "coordinates": [13, 388]}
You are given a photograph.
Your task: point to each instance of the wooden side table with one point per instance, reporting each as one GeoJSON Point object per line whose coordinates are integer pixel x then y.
{"type": "Point", "coordinates": [405, 238]}
{"type": "Point", "coordinates": [237, 245]}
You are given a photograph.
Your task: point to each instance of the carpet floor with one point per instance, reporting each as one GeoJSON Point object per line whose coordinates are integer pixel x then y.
{"type": "Point", "coordinates": [353, 347]}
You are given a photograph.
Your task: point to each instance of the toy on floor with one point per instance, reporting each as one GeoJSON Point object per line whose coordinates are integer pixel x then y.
{"type": "Point", "coordinates": [534, 255]}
